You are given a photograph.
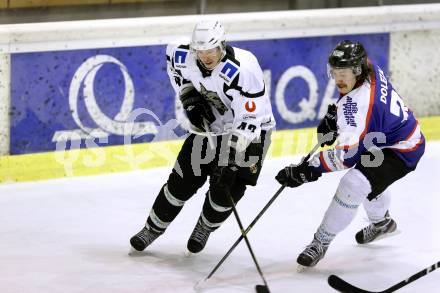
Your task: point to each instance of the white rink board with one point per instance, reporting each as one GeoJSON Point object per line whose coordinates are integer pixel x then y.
{"type": "Point", "coordinates": [415, 69]}
{"type": "Point", "coordinates": [71, 235]}
{"type": "Point", "coordinates": [239, 26]}
{"type": "Point", "coordinates": [5, 82]}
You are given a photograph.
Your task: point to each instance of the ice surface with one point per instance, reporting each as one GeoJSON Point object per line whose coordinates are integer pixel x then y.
{"type": "Point", "coordinates": [72, 235]}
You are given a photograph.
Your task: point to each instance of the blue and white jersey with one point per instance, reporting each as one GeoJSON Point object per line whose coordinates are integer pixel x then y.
{"type": "Point", "coordinates": [372, 114]}
{"type": "Point", "coordinates": [234, 89]}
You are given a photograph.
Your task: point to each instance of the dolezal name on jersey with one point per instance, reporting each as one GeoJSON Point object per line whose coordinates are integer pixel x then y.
{"type": "Point", "coordinates": [383, 86]}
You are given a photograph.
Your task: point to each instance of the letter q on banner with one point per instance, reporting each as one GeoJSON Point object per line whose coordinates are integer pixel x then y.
{"type": "Point", "coordinates": [307, 105]}
{"type": "Point", "coordinates": [84, 79]}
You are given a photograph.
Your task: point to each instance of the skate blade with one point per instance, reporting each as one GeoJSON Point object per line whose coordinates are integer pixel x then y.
{"type": "Point", "coordinates": [134, 252]}
{"type": "Point", "coordinates": [302, 269]}
{"type": "Point", "coordinates": [188, 253]}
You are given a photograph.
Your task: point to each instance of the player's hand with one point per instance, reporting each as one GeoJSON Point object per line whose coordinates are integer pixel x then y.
{"type": "Point", "coordinates": [296, 175]}
{"type": "Point", "coordinates": [225, 176]}
{"type": "Point", "coordinates": [327, 128]}
{"type": "Point", "coordinates": [197, 108]}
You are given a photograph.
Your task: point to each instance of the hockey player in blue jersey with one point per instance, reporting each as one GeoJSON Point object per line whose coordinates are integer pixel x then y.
{"type": "Point", "coordinates": [378, 140]}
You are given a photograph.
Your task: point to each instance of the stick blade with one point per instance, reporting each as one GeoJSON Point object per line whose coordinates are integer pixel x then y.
{"type": "Point", "coordinates": [342, 286]}
{"type": "Point", "coordinates": [200, 285]}
{"type": "Point", "coordinates": [262, 289]}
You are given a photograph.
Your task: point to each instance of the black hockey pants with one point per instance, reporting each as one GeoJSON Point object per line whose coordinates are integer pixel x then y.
{"type": "Point", "coordinates": [195, 162]}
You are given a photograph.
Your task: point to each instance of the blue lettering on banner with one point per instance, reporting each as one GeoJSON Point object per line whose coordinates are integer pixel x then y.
{"type": "Point", "coordinates": [180, 56]}
{"type": "Point", "coordinates": [229, 70]}
{"type": "Point", "coordinates": [81, 94]}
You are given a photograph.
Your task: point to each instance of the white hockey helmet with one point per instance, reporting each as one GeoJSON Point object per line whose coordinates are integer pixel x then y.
{"type": "Point", "coordinates": [208, 34]}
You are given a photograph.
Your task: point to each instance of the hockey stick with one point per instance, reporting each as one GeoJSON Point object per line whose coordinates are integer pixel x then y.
{"type": "Point", "coordinates": [259, 288]}
{"type": "Point", "coordinates": [342, 286]}
{"type": "Point", "coordinates": [208, 134]}
{"type": "Point", "coordinates": [274, 197]}
{"type": "Point", "coordinates": [245, 232]}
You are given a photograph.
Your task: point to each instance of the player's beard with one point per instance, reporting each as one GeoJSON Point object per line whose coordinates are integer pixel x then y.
{"type": "Point", "coordinates": [342, 87]}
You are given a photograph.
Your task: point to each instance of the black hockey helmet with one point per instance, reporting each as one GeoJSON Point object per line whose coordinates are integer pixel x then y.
{"type": "Point", "coordinates": [347, 54]}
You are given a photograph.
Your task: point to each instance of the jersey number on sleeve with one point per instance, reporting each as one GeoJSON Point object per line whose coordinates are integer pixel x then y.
{"type": "Point", "coordinates": [397, 105]}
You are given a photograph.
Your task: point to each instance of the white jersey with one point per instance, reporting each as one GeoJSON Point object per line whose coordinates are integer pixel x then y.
{"type": "Point", "coordinates": [234, 89]}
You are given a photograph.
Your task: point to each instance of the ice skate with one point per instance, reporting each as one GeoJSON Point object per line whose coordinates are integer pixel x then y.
{"type": "Point", "coordinates": [199, 237]}
{"type": "Point", "coordinates": [376, 231]}
{"type": "Point", "coordinates": [313, 253]}
{"type": "Point", "coordinates": [143, 238]}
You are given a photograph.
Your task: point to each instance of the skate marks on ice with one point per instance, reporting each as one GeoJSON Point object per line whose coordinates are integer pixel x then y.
{"type": "Point", "coordinates": [238, 274]}
{"type": "Point", "coordinates": [194, 268]}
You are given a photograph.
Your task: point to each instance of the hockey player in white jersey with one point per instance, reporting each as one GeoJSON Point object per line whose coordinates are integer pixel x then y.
{"type": "Point", "coordinates": [377, 135]}
{"type": "Point", "coordinates": [225, 99]}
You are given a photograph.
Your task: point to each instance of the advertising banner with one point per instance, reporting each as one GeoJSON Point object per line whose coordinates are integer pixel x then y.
{"type": "Point", "coordinates": [89, 98]}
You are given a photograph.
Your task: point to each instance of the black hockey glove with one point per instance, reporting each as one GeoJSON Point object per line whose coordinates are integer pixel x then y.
{"type": "Point", "coordinates": [296, 175]}
{"type": "Point", "coordinates": [328, 127]}
{"type": "Point", "coordinates": [197, 108]}
{"type": "Point", "coordinates": [225, 175]}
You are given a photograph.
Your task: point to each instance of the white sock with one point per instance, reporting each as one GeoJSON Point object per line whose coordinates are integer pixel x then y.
{"type": "Point", "coordinates": [377, 208]}
{"type": "Point", "coordinates": [352, 191]}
